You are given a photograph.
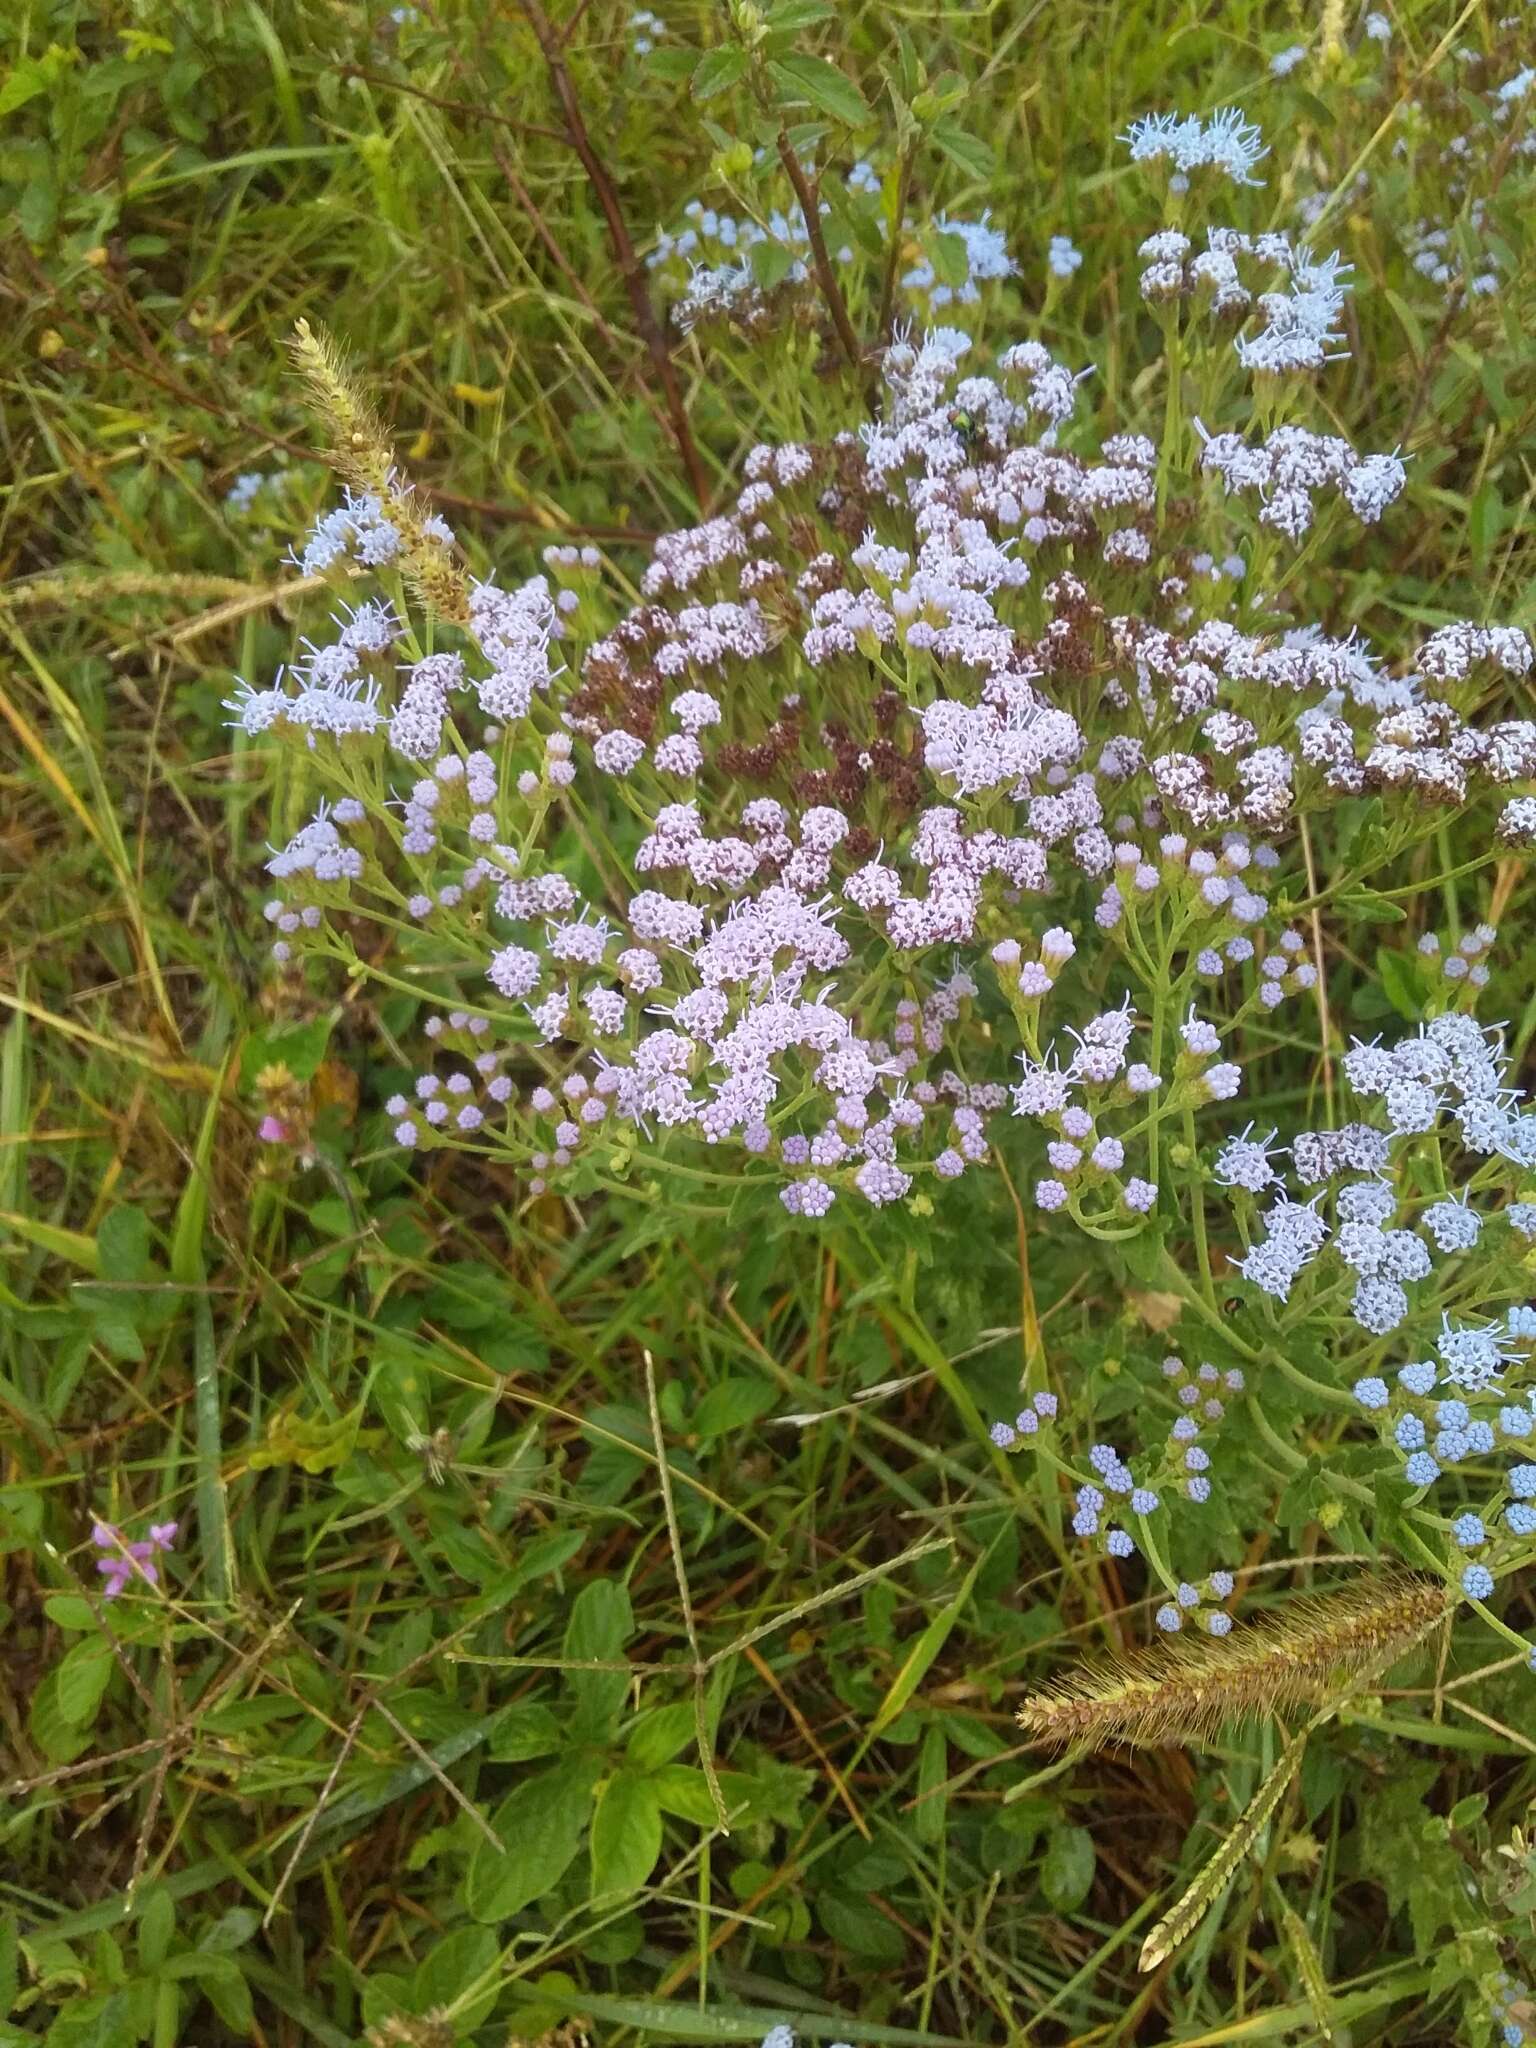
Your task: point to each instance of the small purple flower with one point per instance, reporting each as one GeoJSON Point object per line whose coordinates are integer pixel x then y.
{"type": "Point", "coordinates": [121, 1561]}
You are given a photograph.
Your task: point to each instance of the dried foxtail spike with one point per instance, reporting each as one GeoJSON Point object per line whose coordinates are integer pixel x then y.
{"type": "Point", "coordinates": [361, 450]}
{"type": "Point", "coordinates": [1307, 1654]}
{"type": "Point", "coordinates": [358, 441]}
{"type": "Point", "coordinates": [1176, 1927]}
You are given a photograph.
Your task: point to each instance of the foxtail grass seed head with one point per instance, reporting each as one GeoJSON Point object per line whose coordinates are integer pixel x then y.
{"type": "Point", "coordinates": [1306, 1654]}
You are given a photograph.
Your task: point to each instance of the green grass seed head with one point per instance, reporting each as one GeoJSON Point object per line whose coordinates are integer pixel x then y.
{"type": "Point", "coordinates": [1184, 1688]}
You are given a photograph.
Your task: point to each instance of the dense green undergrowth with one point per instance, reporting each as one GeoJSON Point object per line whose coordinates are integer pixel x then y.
{"type": "Point", "coordinates": [608, 1613]}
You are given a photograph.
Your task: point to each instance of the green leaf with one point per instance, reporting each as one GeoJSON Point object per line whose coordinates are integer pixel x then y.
{"type": "Point", "coordinates": [733, 1404]}
{"type": "Point", "coordinates": [1066, 1874]}
{"type": "Point", "coordinates": [122, 1244]}
{"type": "Point", "coordinates": [522, 1731]}
{"type": "Point", "coordinates": [34, 75]}
{"type": "Point", "coordinates": [822, 85]}
{"type": "Point", "coordinates": [1403, 982]}
{"type": "Point", "coordinates": [541, 1823]}
{"type": "Point", "coordinates": [857, 1925]}
{"type": "Point", "coordinates": [771, 262]}
{"type": "Point", "coordinates": [157, 1923]}
{"type": "Point", "coordinates": [670, 63]}
{"type": "Point", "coordinates": [10, 1964]}
{"type": "Point", "coordinates": [659, 1736]}
{"type": "Point", "coordinates": [973, 156]}
{"type": "Point", "coordinates": [932, 1763]}
{"type": "Point", "coordinates": [1374, 908]}
{"type": "Point", "coordinates": [601, 1624]}
{"type": "Point", "coordinates": [298, 1047]}
{"type": "Point", "coordinates": [718, 70]}
{"type": "Point", "coordinates": [951, 260]}
{"type": "Point", "coordinates": [21, 1523]}
{"type": "Point", "coordinates": [626, 1834]}
{"type": "Point", "coordinates": [59, 1739]}
{"type": "Point", "coordinates": [683, 1789]}
{"type": "Point", "coordinates": [220, 1980]}
{"type": "Point", "coordinates": [81, 1677]}
{"type": "Point", "coordinates": [916, 1663]}
{"type": "Point", "coordinates": [796, 14]}
{"type": "Point", "coordinates": [453, 1965]}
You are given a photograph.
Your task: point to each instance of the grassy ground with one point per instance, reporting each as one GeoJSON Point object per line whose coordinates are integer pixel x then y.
{"type": "Point", "coordinates": [489, 1508]}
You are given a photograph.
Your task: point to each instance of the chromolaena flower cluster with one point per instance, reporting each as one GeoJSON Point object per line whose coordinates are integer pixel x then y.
{"type": "Point", "coordinates": [945, 791]}
{"type": "Point", "coordinates": [882, 751]}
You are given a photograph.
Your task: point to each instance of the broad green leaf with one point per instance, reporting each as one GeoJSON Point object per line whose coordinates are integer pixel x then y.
{"type": "Point", "coordinates": [1374, 908]}
{"type": "Point", "coordinates": [601, 1624]}
{"type": "Point", "coordinates": [733, 1404]}
{"type": "Point", "coordinates": [771, 262]}
{"type": "Point", "coordinates": [718, 70]}
{"type": "Point", "coordinates": [541, 1824]}
{"type": "Point", "coordinates": [1066, 1874]}
{"type": "Point", "coordinates": [951, 259]}
{"type": "Point", "coordinates": [683, 1789]}
{"type": "Point", "coordinates": [298, 1047]}
{"type": "Point", "coordinates": [157, 1923]}
{"type": "Point", "coordinates": [659, 1736]}
{"type": "Point", "coordinates": [813, 80]}
{"type": "Point", "coordinates": [973, 156]}
{"type": "Point", "coordinates": [855, 1923]}
{"type": "Point", "coordinates": [626, 1834]}
{"type": "Point", "coordinates": [455, 1963]}
{"type": "Point", "coordinates": [1403, 982]}
{"type": "Point", "coordinates": [123, 1244]}
{"type": "Point", "coordinates": [35, 75]}
{"type": "Point", "coordinates": [59, 1739]}
{"type": "Point", "coordinates": [524, 1730]}
{"type": "Point", "coordinates": [81, 1677]}
{"type": "Point", "coordinates": [797, 14]}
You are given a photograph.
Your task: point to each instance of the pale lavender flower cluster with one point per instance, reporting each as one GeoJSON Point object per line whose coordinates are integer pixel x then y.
{"type": "Point", "coordinates": [1185, 144]}
{"type": "Point", "coordinates": [1446, 1081]}
{"type": "Point", "coordinates": [1300, 328]}
{"type": "Point", "coordinates": [886, 741]}
{"type": "Point", "coordinates": [1179, 1466]}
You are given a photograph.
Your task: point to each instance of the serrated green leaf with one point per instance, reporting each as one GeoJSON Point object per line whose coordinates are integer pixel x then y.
{"type": "Point", "coordinates": [813, 81]}
{"type": "Point", "coordinates": [718, 70]}
{"type": "Point", "coordinates": [797, 14]}
{"type": "Point", "coordinates": [733, 1404]}
{"type": "Point", "coordinates": [973, 156]}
